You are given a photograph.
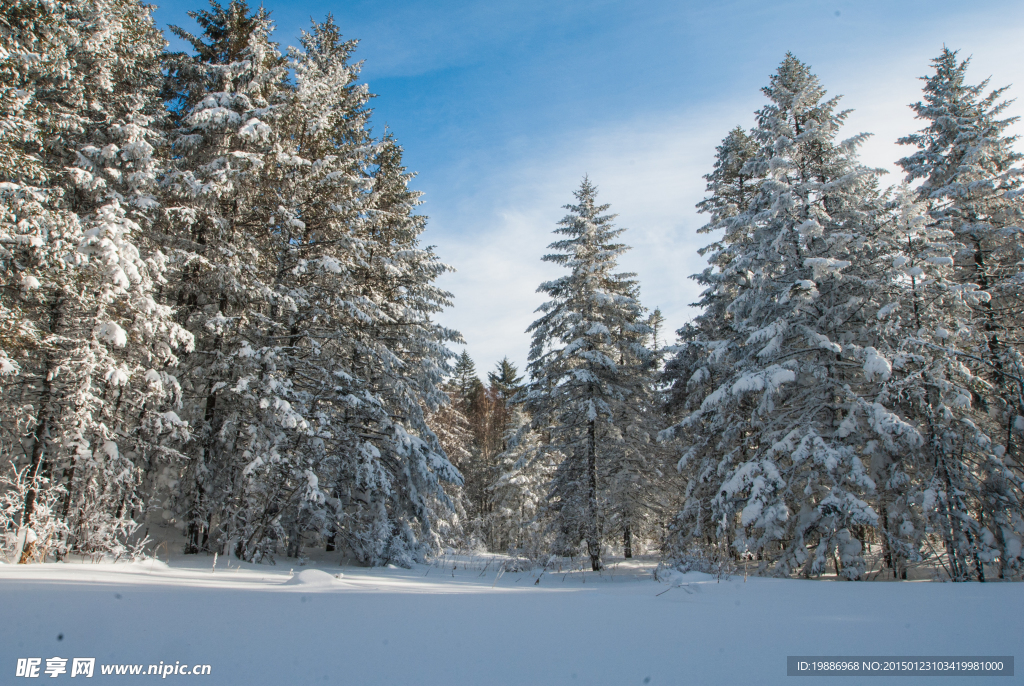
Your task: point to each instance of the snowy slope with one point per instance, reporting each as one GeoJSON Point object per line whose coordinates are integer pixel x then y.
{"type": "Point", "coordinates": [435, 625]}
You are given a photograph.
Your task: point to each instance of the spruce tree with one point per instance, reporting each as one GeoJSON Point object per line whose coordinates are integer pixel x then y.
{"type": "Point", "coordinates": [505, 380]}
{"type": "Point", "coordinates": [400, 354]}
{"type": "Point", "coordinates": [519, 520]}
{"type": "Point", "coordinates": [301, 274]}
{"type": "Point", "coordinates": [586, 347]}
{"type": "Point", "coordinates": [788, 360]}
{"type": "Point", "coordinates": [919, 332]}
{"type": "Point", "coordinates": [220, 232]}
{"type": "Point", "coordinates": [971, 185]}
{"type": "Point", "coordinates": [92, 396]}
{"type": "Point", "coordinates": [637, 474]}
{"type": "Point", "coordinates": [698, 364]}
{"type": "Point", "coordinates": [971, 177]}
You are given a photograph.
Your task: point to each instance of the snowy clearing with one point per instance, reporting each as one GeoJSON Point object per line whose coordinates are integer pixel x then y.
{"type": "Point", "coordinates": [462, 621]}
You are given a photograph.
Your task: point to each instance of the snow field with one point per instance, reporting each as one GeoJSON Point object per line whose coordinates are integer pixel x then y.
{"type": "Point", "coordinates": [462, 621]}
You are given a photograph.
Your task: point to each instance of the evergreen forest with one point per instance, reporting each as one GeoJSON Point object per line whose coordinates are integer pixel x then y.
{"type": "Point", "coordinates": [218, 315]}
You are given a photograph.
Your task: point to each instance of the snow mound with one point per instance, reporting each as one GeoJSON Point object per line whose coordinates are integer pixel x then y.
{"type": "Point", "coordinates": [149, 564]}
{"type": "Point", "coordinates": [312, 577]}
{"type": "Point", "coordinates": [673, 577]}
{"type": "Point", "coordinates": [670, 576]}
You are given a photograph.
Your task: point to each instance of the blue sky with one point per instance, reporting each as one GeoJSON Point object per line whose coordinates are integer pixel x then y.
{"type": "Point", "coordinates": [502, 107]}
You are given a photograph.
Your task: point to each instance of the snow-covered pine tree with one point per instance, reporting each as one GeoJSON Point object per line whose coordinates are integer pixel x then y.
{"type": "Point", "coordinates": [505, 380]}
{"type": "Point", "coordinates": [313, 188]}
{"type": "Point", "coordinates": [93, 398]}
{"type": "Point", "coordinates": [454, 436]}
{"type": "Point", "coordinates": [519, 518]}
{"type": "Point", "coordinates": [34, 51]}
{"type": "Point", "coordinates": [971, 180]}
{"type": "Point", "coordinates": [972, 177]}
{"type": "Point", "coordinates": [772, 447]}
{"type": "Point", "coordinates": [636, 474]}
{"type": "Point", "coordinates": [222, 236]}
{"type": "Point", "coordinates": [732, 186]}
{"type": "Point", "coordinates": [586, 349]}
{"type": "Point", "coordinates": [314, 304]}
{"type": "Point", "coordinates": [929, 469]}
{"type": "Point", "coordinates": [34, 60]}
{"type": "Point", "coordinates": [400, 356]}
{"type": "Point", "coordinates": [694, 369]}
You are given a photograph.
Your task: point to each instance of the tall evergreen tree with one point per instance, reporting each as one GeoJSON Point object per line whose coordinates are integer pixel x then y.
{"type": "Point", "coordinates": [971, 181]}
{"type": "Point", "coordinates": [919, 335]}
{"type": "Point", "coordinates": [227, 99]}
{"type": "Point", "coordinates": [699, 364]}
{"type": "Point", "coordinates": [586, 347]}
{"type": "Point", "coordinates": [519, 519]}
{"type": "Point", "coordinates": [971, 176]}
{"type": "Point", "coordinates": [639, 479]}
{"type": "Point", "coordinates": [89, 387]}
{"type": "Point", "coordinates": [402, 355]}
{"type": "Point", "coordinates": [301, 273]}
{"type": "Point", "coordinates": [505, 380]}
{"type": "Point", "coordinates": [793, 362]}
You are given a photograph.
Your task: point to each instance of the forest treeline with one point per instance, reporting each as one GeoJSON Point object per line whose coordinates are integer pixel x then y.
{"type": "Point", "coordinates": [217, 315]}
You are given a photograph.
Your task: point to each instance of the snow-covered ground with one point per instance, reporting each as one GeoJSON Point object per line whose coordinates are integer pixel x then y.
{"type": "Point", "coordinates": [463, 621]}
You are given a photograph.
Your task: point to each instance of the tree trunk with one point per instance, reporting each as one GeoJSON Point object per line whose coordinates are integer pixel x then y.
{"type": "Point", "coordinates": [42, 426]}
{"type": "Point", "coordinates": [331, 544]}
{"type": "Point", "coordinates": [28, 553]}
{"type": "Point", "coordinates": [198, 529]}
{"type": "Point", "coordinates": [890, 556]}
{"type": "Point", "coordinates": [198, 532]}
{"type": "Point", "coordinates": [206, 532]}
{"type": "Point", "coordinates": [197, 535]}
{"type": "Point", "coordinates": [627, 541]}
{"type": "Point", "coordinates": [593, 541]}
{"type": "Point", "coordinates": [38, 451]}
{"type": "Point", "coordinates": [951, 526]}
